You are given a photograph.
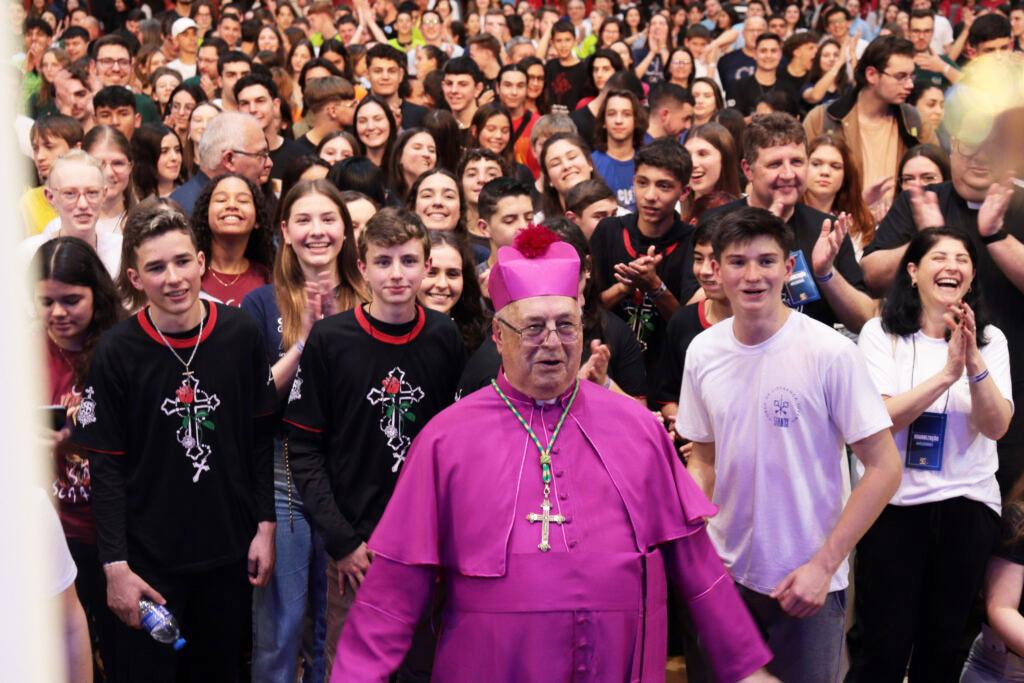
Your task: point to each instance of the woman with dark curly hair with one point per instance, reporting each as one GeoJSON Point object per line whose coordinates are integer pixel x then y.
{"type": "Point", "coordinates": [232, 227]}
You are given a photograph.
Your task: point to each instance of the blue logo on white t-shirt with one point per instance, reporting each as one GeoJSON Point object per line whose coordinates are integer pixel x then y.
{"type": "Point", "coordinates": [781, 407]}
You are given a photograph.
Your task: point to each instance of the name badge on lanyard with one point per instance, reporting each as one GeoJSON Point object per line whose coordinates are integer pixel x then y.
{"type": "Point", "coordinates": [927, 434]}
{"type": "Point", "coordinates": [925, 439]}
{"type": "Point", "coordinates": [800, 289]}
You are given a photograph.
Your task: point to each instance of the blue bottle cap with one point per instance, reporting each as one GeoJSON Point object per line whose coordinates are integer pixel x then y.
{"type": "Point", "coordinates": [178, 644]}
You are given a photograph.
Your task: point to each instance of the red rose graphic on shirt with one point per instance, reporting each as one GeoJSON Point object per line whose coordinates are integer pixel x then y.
{"type": "Point", "coordinates": [391, 385]}
{"type": "Point", "coordinates": [186, 395]}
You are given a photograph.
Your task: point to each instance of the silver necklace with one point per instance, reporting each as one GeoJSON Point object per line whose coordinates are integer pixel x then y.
{"type": "Point", "coordinates": [199, 339]}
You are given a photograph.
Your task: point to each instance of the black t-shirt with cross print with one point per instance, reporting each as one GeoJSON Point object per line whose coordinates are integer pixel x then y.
{"type": "Point", "coordinates": [181, 465]}
{"type": "Point", "coordinates": [617, 239]}
{"type": "Point", "coordinates": [363, 390]}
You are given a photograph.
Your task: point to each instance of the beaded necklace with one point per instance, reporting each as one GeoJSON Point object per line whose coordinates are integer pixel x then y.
{"type": "Point", "coordinates": [544, 517]}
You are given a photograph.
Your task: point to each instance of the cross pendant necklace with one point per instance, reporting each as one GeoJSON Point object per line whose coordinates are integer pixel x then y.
{"type": "Point", "coordinates": [544, 517]}
{"type": "Point", "coordinates": [188, 364]}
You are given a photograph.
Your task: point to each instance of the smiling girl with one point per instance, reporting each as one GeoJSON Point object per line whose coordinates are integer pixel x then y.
{"type": "Point", "coordinates": [233, 228]}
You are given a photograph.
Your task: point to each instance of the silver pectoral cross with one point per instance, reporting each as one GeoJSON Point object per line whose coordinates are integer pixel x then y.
{"type": "Point", "coordinates": [545, 518]}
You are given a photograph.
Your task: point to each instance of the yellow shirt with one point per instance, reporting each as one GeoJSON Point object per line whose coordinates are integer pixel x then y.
{"type": "Point", "coordinates": [36, 212]}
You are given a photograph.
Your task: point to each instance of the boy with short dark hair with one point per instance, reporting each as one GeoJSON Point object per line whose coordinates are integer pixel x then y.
{"type": "Point", "coordinates": [256, 94]}
{"type": "Point", "coordinates": [114, 106]}
{"type": "Point", "coordinates": [565, 75]}
{"type": "Point", "coordinates": [331, 103]}
{"type": "Point", "coordinates": [505, 208]}
{"type": "Point", "coordinates": [639, 259]}
{"type": "Point", "coordinates": [462, 84]}
{"type": "Point", "coordinates": [769, 399]}
{"type": "Point", "coordinates": [368, 380]}
{"type": "Point", "coordinates": [689, 321]}
{"type": "Point", "coordinates": [588, 203]}
{"type": "Point", "coordinates": [177, 416]}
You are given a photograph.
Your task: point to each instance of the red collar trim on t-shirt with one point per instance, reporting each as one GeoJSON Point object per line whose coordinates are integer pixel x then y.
{"type": "Point", "coordinates": [632, 252]}
{"type": "Point", "coordinates": [702, 314]}
{"type": "Point", "coordinates": [364, 322]}
{"type": "Point", "coordinates": [178, 342]}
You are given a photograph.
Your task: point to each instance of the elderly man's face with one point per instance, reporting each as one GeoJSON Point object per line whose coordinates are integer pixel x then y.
{"type": "Point", "coordinates": [546, 370]}
{"type": "Point", "coordinates": [251, 156]}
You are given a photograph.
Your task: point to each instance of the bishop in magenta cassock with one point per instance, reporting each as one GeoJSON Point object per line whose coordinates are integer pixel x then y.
{"type": "Point", "coordinates": [553, 512]}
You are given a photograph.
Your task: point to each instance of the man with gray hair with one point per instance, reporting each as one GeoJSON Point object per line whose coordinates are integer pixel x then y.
{"type": "Point", "coordinates": [519, 48]}
{"type": "Point", "coordinates": [232, 143]}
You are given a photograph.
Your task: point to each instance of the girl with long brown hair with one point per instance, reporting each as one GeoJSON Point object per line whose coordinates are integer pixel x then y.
{"type": "Point", "coordinates": [834, 185]}
{"type": "Point", "coordinates": [315, 275]}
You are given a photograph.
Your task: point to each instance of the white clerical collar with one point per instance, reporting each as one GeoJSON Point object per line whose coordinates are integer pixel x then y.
{"type": "Point", "coordinates": [974, 205]}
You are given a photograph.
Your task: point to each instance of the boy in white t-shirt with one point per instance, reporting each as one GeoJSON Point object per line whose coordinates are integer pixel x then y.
{"type": "Point", "coordinates": [769, 398]}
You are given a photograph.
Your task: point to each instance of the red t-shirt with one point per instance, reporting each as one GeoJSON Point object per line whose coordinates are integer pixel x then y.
{"type": "Point", "coordinates": [231, 289]}
{"type": "Point", "coordinates": [71, 484]}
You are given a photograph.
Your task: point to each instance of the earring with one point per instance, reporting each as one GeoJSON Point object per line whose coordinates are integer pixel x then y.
{"type": "Point", "coordinates": [913, 284]}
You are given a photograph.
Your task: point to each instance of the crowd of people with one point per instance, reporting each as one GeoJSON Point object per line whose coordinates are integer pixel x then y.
{"type": "Point", "coordinates": [297, 265]}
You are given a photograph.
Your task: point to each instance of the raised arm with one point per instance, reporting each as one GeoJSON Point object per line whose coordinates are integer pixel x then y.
{"type": "Point", "coordinates": [1008, 253]}
{"type": "Point", "coordinates": [852, 306]}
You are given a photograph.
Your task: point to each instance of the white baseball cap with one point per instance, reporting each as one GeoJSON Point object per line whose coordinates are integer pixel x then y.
{"type": "Point", "coordinates": [181, 25]}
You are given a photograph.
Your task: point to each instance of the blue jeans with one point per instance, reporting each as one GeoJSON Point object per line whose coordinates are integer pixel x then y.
{"type": "Point", "coordinates": [991, 662]}
{"type": "Point", "coordinates": [803, 650]}
{"type": "Point", "coordinates": [297, 590]}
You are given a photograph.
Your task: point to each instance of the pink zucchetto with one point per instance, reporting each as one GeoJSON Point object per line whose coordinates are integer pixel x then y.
{"type": "Point", "coordinates": [539, 264]}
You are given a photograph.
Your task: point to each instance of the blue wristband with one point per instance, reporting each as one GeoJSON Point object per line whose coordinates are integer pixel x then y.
{"type": "Point", "coordinates": [826, 278]}
{"type": "Point", "coordinates": [980, 377]}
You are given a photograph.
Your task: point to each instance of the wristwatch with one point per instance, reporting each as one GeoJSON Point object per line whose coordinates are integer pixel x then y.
{"type": "Point", "coordinates": [998, 235]}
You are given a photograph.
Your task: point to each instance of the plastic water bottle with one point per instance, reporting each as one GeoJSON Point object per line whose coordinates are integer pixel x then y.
{"type": "Point", "coordinates": [160, 624]}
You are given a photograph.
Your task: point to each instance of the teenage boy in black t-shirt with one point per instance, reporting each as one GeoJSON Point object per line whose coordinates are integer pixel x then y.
{"type": "Point", "coordinates": [639, 258]}
{"type": "Point", "coordinates": [368, 380]}
{"type": "Point", "coordinates": [176, 414]}
{"type": "Point", "coordinates": [566, 74]}
{"type": "Point", "coordinates": [689, 321]}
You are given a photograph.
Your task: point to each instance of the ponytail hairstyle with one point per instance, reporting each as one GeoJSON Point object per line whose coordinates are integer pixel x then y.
{"type": "Point", "coordinates": [71, 261]}
{"type": "Point", "coordinates": [289, 280]}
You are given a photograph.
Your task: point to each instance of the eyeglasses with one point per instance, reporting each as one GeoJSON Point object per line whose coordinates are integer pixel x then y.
{"type": "Point", "coordinates": [262, 155]}
{"type": "Point", "coordinates": [430, 22]}
{"type": "Point", "coordinates": [900, 78]}
{"type": "Point", "coordinates": [966, 150]}
{"type": "Point", "coordinates": [108, 63]}
{"type": "Point", "coordinates": [69, 196]}
{"type": "Point", "coordinates": [568, 332]}
{"type": "Point", "coordinates": [119, 165]}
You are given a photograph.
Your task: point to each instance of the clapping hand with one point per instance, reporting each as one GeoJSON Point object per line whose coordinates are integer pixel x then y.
{"type": "Point", "coordinates": [829, 242]}
{"type": "Point", "coordinates": [640, 273]}
{"type": "Point", "coordinates": [993, 209]}
{"type": "Point", "coordinates": [924, 205]}
{"type": "Point", "coordinates": [596, 367]}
